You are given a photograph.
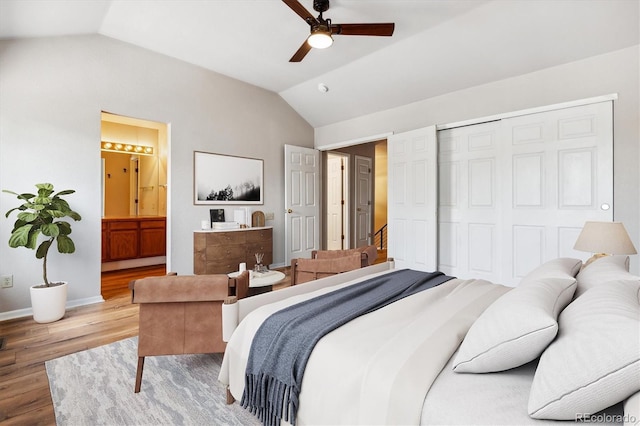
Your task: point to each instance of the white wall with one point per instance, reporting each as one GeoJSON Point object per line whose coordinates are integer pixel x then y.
{"type": "Point", "coordinates": [615, 72]}
{"type": "Point", "coordinates": [52, 92]}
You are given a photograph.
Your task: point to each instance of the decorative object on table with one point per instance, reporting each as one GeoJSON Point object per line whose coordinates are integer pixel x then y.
{"type": "Point", "coordinates": [225, 179]}
{"type": "Point", "coordinates": [205, 224]}
{"type": "Point", "coordinates": [42, 214]}
{"type": "Point", "coordinates": [259, 267]}
{"type": "Point", "coordinates": [241, 216]}
{"type": "Point", "coordinates": [257, 219]}
{"type": "Point", "coordinates": [603, 239]}
{"type": "Point", "coordinates": [225, 226]}
{"type": "Point", "coordinates": [216, 215]}
{"type": "Point", "coordinates": [242, 267]}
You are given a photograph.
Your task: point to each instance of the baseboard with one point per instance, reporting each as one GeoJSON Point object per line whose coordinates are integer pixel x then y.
{"type": "Point", "coordinates": [27, 312]}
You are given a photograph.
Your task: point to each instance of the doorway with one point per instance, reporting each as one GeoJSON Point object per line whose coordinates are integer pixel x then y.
{"type": "Point", "coordinates": [134, 154]}
{"type": "Point", "coordinates": [365, 196]}
{"type": "Point", "coordinates": [337, 201]}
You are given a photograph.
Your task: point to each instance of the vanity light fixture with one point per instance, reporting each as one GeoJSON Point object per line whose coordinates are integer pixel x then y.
{"type": "Point", "coordinates": [126, 148]}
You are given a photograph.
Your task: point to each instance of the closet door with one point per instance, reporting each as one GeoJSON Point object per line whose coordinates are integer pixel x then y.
{"type": "Point", "coordinates": [412, 199]}
{"type": "Point", "coordinates": [560, 166]}
{"type": "Point", "coordinates": [515, 193]}
{"type": "Point", "coordinates": [470, 206]}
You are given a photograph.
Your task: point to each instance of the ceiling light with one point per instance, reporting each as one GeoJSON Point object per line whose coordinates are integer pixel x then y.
{"type": "Point", "coordinates": [320, 37]}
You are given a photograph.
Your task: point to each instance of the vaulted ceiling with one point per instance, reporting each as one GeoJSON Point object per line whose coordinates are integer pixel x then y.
{"type": "Point", "coordinates": [438, 46]}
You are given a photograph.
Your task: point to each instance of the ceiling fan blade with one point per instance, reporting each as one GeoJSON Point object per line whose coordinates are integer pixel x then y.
{"type": "Point", "coordinates": [385, 29]}
{"type": "Point", "coordinates": [301, 53]}
{"type": "Point", "coordinates": [301, 11]}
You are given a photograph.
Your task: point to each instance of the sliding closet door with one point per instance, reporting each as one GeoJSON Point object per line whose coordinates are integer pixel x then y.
{"type": "Point", "coordinates": [560, 164]}
{"type": "Point", "coordinates": [515, 193]}
{"type": "Point", "coordinates": [412, 199]}
{"type": "Point", "coordinates": [470, 212]}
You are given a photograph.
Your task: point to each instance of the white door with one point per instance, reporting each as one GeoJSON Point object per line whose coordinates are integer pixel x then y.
{"type": "Point", "coordinates": [363, 201]}
{"type": "Point", "coordinates": [412, 199]}
{"type": "Point", "coordinates": [560, 165]}
{"type": "Point", "coordinates": [337, 213]}
{"type": "Point", "coordinates": [470, 206]}
{"type": "Point", "coordinates": [515, 193]}
{"type": "Point", "coordinates": [302, 201]}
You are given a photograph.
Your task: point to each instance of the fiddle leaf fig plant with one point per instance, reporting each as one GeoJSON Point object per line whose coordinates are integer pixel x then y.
{"type": "Point", "coordinates": [41, 214]}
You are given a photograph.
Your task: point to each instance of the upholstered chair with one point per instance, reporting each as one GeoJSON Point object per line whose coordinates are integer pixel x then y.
{"type": "Point", "coordinates": [303, 270]}
{"type": "Point", "coordinates": [368, 254]}
{"type": "Point", "coordinates": [182, 314]}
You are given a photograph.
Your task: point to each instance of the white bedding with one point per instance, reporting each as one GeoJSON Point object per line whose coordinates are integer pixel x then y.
{"type": "Point", "coordinates": [389, 358]}
{"type": "Point", "coordinates": [489, 399]}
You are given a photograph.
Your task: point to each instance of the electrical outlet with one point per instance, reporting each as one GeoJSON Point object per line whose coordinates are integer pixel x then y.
{"type": "Point", "coordinates": [268, 216]}
{"type": "Point", "coordinates": [6, 281]}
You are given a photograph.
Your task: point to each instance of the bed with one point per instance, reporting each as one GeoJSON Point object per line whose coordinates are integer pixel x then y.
{"type": "Point", "coordinates": [559, 346]}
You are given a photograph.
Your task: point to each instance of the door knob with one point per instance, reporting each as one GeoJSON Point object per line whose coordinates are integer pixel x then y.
{"type": "Point", "coordinates": [289, 211]}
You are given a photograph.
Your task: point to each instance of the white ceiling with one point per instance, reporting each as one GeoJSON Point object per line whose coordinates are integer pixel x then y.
{"type": "Point", "coordinates": [439, 46]}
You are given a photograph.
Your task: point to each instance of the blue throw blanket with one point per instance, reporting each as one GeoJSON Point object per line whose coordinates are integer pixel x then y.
{"type": "Point", "coordinates": [283, 343]}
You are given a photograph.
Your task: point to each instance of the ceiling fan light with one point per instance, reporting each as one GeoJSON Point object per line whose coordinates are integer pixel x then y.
{"type": "Point", "coordinates": [320, 39]}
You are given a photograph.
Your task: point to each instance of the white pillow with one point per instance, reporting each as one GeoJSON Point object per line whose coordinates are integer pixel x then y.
{"type": "Point", "coordinates": [595, 361]}
{"type": "Point", "coordinates": [561, 267]}
{"type": "Point", "coordinates": [603, 270]}
{"type": "Point", "coordinates": [516, 328]}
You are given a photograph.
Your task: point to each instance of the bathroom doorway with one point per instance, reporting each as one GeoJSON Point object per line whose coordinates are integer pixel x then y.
{"type": "Point", "coordinates": [134, 192]}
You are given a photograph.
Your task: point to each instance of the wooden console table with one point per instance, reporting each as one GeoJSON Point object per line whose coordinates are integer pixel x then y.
{"type": "Point", "coordinates": [220, 252]}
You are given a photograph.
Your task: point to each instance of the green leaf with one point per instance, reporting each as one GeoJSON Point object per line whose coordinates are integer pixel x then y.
{"type": "Point", "coordinates": [33, 238]}
{"type": "Point", "coordinates": [20, 236]}
{"type": "Point", "coordinates": [50, 229]}
{"type": "Point", "coordinates": [42, 199]}
{"type": "Point", "coordinates": [43, 248]}
{"type": "Point", "coordinates": [65, 244]}
{"type": "Point", "coordinates": [27, 217]}
{"type": "Point", "coordinates": [65, 192]}
{"type": "Point", "coordinates": [56, 213]}
{"type": "Point", "coordinates": [64, 228]}
{"type": "Point", "coordinates": [45, 186]}
{"type": "Point", "coordinates": [9, 212]}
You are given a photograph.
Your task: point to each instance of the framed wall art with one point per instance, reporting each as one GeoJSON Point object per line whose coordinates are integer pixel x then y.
{"type": "Point", "coordinates": [226, 179]}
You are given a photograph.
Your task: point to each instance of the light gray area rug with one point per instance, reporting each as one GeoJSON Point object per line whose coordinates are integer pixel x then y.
{"type": "Point", "coordinates": [95, 387]}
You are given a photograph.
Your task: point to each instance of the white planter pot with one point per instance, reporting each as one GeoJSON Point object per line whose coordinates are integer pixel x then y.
{"type": "Point", "coordinates": [48, 303]}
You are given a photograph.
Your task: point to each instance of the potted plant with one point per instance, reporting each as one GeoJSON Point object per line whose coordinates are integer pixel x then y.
{"type": "Point", "coordinates": [41, 214]}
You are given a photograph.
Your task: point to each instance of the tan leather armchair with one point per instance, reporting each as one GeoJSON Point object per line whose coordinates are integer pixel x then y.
{"type": "Point", "coordinates": [368, 254]}
{"type": "Point", "coordinates": [182, 314]}
{"type": "Point", "coordinates": [303, 270]}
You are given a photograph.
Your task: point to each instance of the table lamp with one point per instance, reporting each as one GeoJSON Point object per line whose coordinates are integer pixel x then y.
{"type": "Point", "coordinates": [603, 239]}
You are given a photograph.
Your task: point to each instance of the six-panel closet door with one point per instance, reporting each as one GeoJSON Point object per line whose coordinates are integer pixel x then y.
{"type": "Point", "coordinates": [516, 192]}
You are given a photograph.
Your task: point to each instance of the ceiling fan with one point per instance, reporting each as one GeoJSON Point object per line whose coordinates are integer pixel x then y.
{"type": "Point", "coordinates": [322, 29]}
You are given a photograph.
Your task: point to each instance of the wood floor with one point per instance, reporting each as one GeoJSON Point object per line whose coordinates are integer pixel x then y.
{"type": "Point", "coordinates": [24, 388]}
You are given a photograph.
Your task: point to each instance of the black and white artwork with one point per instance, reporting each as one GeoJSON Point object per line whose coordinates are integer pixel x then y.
{"type": "Point", "coordinates": [225, 179]}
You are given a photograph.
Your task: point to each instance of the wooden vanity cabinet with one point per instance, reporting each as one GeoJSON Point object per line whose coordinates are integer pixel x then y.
{"type": "Point", "coordinates": [133, 238]}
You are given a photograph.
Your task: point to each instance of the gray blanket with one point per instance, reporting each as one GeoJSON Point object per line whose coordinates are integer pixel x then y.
{"type": "Point", "coordinates": [283, 343]}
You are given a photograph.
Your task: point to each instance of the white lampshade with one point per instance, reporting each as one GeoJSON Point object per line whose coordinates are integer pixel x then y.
{"type": "Point", "coordinates": [604, 238]}
{"type": "Point", "coordinates": [320, 38]}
